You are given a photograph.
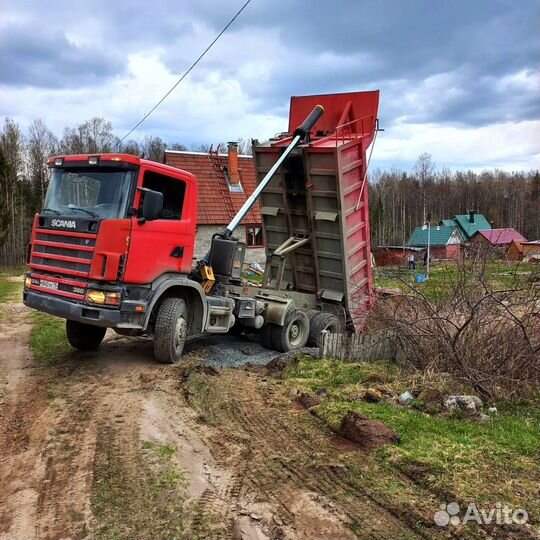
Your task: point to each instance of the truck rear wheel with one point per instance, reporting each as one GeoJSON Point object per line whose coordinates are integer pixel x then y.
{"type": "Point", "coordinates": [320, 323]}
{"type": "Point", "coordinates": [293, 334]}
{"type": "Point", "coordinates": [84, 337]}
{"type": "Point", "coordinates": [170, 331]}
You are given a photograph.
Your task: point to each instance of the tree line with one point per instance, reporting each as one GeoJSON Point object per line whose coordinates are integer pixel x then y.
{"type": "Point", "coordinates": [399, 200]}
{"type": "Point", "coordinates": [24, 174]}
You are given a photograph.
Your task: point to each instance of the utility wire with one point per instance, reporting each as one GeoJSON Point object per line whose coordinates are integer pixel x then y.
{"type": "Point", "coordinates": [184, 75]}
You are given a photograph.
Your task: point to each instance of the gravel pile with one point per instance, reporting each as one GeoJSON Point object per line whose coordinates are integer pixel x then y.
{"type": "Point", "coordinates": [221, 351]}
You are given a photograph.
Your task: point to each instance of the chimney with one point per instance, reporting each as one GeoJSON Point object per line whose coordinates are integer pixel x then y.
{"type": "Point", "coordinates": [471, 216]}
{"type": "Point", "coordinates": [234, 175]}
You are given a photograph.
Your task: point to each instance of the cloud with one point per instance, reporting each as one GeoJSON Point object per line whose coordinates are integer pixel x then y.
{"type": "Point", "coordinates": [443, 68]}
{"type": "Point", "coordinates": [210, 109]}
{"type": "Point", "coordinates": [42, 57]}
{"type": "Point", "coordinates": [505, 145]}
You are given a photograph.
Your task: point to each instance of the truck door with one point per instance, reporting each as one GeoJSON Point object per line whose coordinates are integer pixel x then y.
{"type": "Point", "coordinates": [165, 244]}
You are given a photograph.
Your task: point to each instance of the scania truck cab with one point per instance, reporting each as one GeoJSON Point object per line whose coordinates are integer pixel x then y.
{"type": "Point", "coordinates": [116, 234]}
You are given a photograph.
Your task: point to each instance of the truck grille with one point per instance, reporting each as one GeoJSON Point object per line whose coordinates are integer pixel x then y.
{"type": "Point", "coordinates": [60, 262]}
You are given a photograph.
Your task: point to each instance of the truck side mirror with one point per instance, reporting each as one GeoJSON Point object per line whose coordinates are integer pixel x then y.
{"type": "Point", "coordinates": [152, 204]}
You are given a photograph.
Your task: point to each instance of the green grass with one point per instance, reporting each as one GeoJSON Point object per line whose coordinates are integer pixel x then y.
{"type": "Point", "coordinates": [442, 277]}
{"type": "Point", "coordinates": [143, 497]}
{"type": "Point", "coordinates": [9, 271]}
{"type": "Point", "coordinates": [497, 461]}
{"type": "Point", "coordinates": [164, 451]}
{"type": "Point", "coordinates": [10, 291]}
{"type": "Point", "coordinates": [251, 277]}
{"type": "Point", "coordinates": [48, 338]}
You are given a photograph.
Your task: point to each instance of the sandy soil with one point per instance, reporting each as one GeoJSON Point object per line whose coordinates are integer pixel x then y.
{"type": "Point", "coordinates": [257, 467]}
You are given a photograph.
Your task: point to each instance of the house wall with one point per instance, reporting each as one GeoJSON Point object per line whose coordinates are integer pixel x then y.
{"type": "Point", "coordinates": [450, 251]}
{"type": "Point", "coordinates": [480, 245]}
{"type": "Point", "coordinates": [453, 251]}
{"type": "Point", "coordinates": [394, 257]}
{"type": "Point", "coordinates": [437, 252]}
{"type": "Point", "coordinates": [514, 253]}
{"type": "Point", "coordinates": [456, 237]}
{"type": "Point", "coordinates": [479, 240]}
{"type": "Point", "coordinates": [203, 241]}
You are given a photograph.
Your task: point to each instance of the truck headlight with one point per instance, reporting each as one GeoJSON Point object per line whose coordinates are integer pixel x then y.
{"type": "Point", "coordinates": [103, 297]}
{"type": "Point", "coordinates": [27, 282]}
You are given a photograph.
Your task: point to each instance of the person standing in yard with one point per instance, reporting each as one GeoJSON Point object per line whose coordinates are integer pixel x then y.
{"type": "Point", "coordinates": [412, 262]}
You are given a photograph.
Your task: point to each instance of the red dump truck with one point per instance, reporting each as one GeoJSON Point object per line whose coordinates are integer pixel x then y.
{"type": "Point", "coordinates": [113, 245]}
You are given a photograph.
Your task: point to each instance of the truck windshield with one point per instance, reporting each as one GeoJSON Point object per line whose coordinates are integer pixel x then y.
{"type": "Point", "coordinates": [91, 192]}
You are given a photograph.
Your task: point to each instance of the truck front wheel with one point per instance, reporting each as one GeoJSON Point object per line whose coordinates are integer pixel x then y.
{"type": "Point", "coordinates": [170, 331]}
{"type": "Point", "coordinates": [84, 337]}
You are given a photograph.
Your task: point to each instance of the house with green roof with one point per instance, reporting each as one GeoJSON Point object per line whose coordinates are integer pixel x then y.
{"type": "Point", "coordinates": [468, 224]}
{"type": "Point", "coordinates": [448, 222]}
{"type": "Point", "coordinates": [444, 241]}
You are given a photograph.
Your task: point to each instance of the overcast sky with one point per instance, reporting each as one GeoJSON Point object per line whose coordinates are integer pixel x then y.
{"type": "Point", "coordinates": [459, 79]}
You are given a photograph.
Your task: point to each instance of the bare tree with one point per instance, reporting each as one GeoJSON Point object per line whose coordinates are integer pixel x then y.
{"type": "Point", "coordinates": [41, 144]}
{"type": "Point", "coordinates": [424, 171]}
{"type": "Point", "coordinates": [131, 147]}
{"type": "Point", "coordinates": [153, 148]}
{"type": "Point", "coordinates": [14, 194]}
{"type": "Point", "coordinates": [177, 146]}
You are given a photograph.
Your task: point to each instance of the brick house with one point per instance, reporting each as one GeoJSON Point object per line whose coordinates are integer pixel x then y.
{"type": "Point", "coordinates": [224, 182]}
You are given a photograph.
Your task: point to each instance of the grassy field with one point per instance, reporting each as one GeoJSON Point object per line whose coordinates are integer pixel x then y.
{"type": "Point", "coordinates": [48, 338]}
{"type": "Point", "coordinates": [444, 275]}
{"type": "Point", "coordinates": [10, 291]}
{"type": "Point", "coordinates": [461, 459]}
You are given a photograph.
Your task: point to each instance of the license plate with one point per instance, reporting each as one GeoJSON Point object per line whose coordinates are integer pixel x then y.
{"type": "Point", "coordinates": [48, 284]}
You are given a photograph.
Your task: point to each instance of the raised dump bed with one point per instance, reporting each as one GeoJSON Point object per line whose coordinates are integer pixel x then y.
{"type": "Point", "coordinates": [315, 211]}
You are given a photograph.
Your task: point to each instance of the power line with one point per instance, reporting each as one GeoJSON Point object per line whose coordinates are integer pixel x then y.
{"type": "Point", "coordinates": [184, 75]}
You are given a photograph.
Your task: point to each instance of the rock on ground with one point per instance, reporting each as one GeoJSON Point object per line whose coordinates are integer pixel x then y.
{"type": "Point", "coordinates": [468, 405]}
{"type": "Point", "coordinates": [368, 433]}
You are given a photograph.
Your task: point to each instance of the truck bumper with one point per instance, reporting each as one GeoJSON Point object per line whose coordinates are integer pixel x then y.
{"type": "Point", "coordinates": [125, 317]}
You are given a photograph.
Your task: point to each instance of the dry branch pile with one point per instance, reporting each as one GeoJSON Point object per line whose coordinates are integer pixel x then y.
{"type": "Point", "coordinates": [481, 332]}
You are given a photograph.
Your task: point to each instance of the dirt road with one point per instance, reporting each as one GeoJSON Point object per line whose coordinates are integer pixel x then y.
{"type": "Point", "coordinates": [110, 444]}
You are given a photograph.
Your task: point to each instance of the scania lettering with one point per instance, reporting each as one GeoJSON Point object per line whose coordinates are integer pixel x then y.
{"type": "Point", "coordinates": [64, 223]}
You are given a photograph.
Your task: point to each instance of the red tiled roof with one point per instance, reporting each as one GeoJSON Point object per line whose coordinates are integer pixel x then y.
{"type": "Point", "coordinates": [497, 237]}
{"type": "Point", "coordinates": [216, 204]}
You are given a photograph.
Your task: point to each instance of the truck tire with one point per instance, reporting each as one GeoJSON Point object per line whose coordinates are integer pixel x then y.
{"type": "Point", "coordinates": [266, 336]}
{"type": "Point", "coordinates": [170, 331]}
{"type": "Point", "coordinates": [320, 323]}
{"type": "Point", "coordinates": [84, 337]}
{"type": "Point", "coordinates": [311, 313]}
{"type": "Point", "coordinates": [293, 334]}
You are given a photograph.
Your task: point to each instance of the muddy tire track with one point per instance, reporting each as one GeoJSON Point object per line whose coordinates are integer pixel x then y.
{"type": "Point", "coordinates": [287, 464]}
